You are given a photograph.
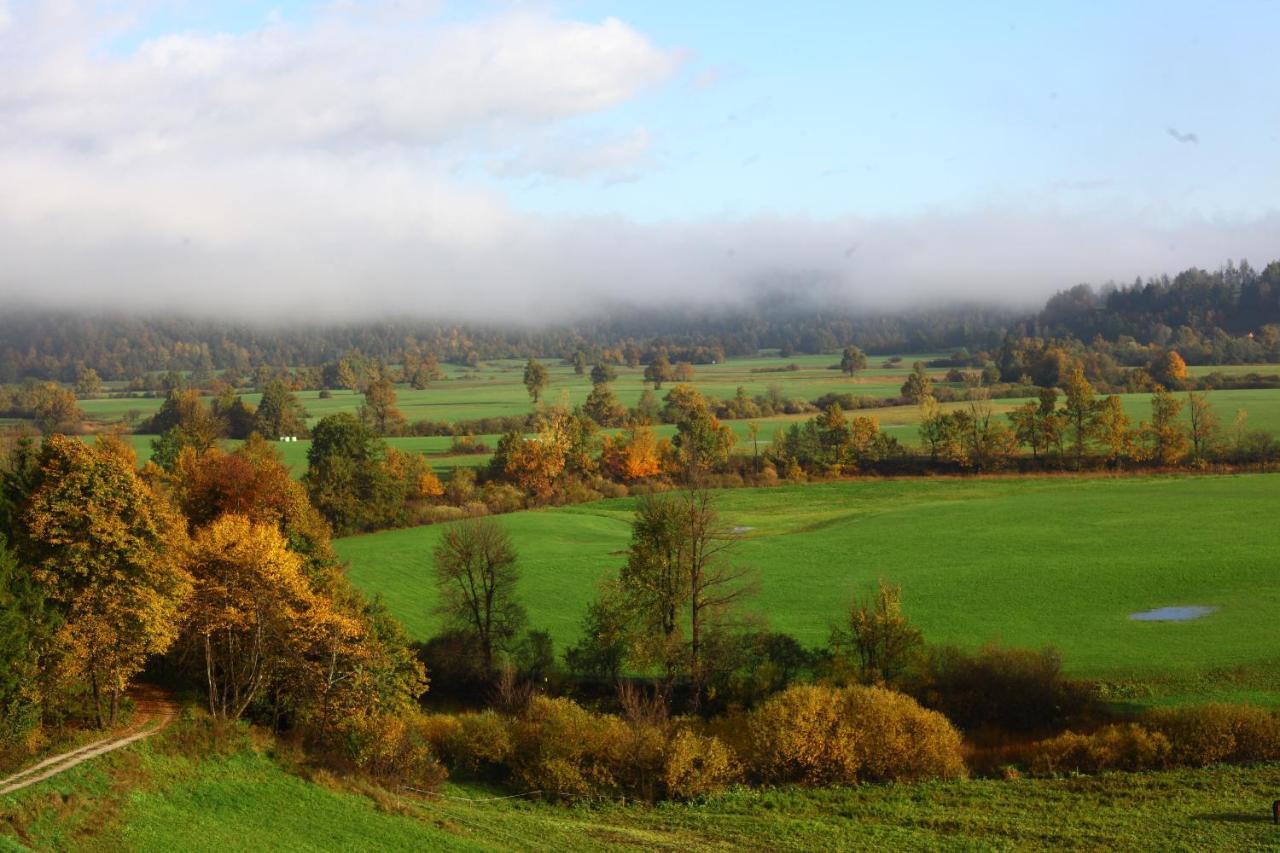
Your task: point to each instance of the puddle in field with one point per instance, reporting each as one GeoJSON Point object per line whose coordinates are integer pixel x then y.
{"type": "Point", "coordinates": [1172, 614]}
{"type": "Point", "coordinates": [741, 529]}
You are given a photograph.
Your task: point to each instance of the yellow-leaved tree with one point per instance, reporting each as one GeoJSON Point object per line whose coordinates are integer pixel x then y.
{"type": "Point", "coordinates": [108, 551]}
{"type": "Point", "coordinates": [251, 608]}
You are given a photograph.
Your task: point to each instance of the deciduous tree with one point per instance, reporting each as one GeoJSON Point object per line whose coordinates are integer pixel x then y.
{"type": "Point", "coordinates": [536, 379]}
{"type": "Point", "coordinates": [108, 552]}
{"type": "Point", "coordinates": [657, 371]}
{"type": "Point", "coordinates": [879, 636]}
{"type": "Point", "coordinates": [852, 360]}
{"type": "Point", "coordinates": [476, 575]}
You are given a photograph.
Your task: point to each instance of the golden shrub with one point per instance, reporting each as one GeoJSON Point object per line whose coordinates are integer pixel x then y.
{"type": "Point", "coordinates": [899, 740]}
{"type": "Point", "coordinates": [823, 735]}
{"type": "Point", "coordinates": [1120, 747]}
{"type": "Point", "coordinates": [395, 748]}
{"type": "Point", "coordinates": [1210, 734]}
{"type": "Point", "coordinates": [479, 745]}
{"type": "Point", "coordinates": [567, 752]}
{"type": "Point", "coordinates": [698, 766]}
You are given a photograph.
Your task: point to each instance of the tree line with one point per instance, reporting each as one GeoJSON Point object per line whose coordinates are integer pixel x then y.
{"type": "Point", "coordinates": [1230, 315]}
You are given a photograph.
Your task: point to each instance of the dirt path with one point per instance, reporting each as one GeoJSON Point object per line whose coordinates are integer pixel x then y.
{"type": "Point", "coordinates": [155, 710]}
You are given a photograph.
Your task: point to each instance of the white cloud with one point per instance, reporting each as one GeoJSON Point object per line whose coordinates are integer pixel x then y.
{"type": "Point", "coordinates": [342, 83]}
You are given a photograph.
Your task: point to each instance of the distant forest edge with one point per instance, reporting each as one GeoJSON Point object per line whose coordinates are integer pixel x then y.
{"type": "Point", "coordinates": [1231, 315]}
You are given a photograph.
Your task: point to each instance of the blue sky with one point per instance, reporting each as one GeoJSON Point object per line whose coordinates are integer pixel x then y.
{"type": "Point", "coordinates": [1150, 131]}
{"type": "Point", "coordinates": [827, 108]}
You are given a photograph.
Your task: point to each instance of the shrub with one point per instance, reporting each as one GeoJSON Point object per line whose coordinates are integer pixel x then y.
{"type": "Point", "coordinates": [1013, 689]}
{"type": "Point", "coordinates": [899, 741]}
{"type": "Point", "coordinates": [1125, 747]}
{"type": "Point", "coordinates": [478, 745]}
{"type": "Point", "coordinates": [394, 748]}
{"type": "Point", "coordinates": [798, 736]}
{"type": "Point", "coordinates": [697, 766]}
{"type": "Point", "coordinates": [822, 735]}
{"type": "Point", "coordinates": [566, 752]}
{"type": "Point", "coordinates": [1219, 733]}
{"type": "Point", "coordinates": [502, 498]}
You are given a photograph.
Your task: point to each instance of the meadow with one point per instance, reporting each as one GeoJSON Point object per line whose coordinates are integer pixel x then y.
{"type": "Point", "coordinates": [1057, 560]}
{"type": "Point", "coordinates": [255, 798]}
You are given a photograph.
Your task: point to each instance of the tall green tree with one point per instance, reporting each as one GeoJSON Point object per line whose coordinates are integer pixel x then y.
{"type": "Point", "coordinates": [24, 628]}
{"type": "Point", "coordinates": [852, 360]}
{"type": "Point", "coordinates": [878, 636]}
{"type": "Point", "coordinates": [658, 371]}
{"type": "Point", "coordinates": [279, 412]}
{"type": "Point", "coordinates": [477, 573]}
{"type": "Point", "coordinates": [536, 379]}
{"type": "Point", "coordinates": [347, 476]}
{"type": "Point", "coordinates": [380, 408]}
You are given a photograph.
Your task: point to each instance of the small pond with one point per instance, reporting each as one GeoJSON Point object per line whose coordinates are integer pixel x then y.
{"type": "Point", "coordinates": [1172, 614]}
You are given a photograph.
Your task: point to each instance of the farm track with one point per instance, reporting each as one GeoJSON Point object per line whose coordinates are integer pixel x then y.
{"type": "Point", "coordinates": [156, 709]}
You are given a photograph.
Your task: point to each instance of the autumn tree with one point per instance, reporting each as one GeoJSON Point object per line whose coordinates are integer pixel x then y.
{"type": "Point", "coordinates": [380, 410]}
{"type": "Point", "coordinates": [476, 576]}
{"type": "Point", "coordinates": [988, 442]}
{"type": "Point", "coordinates": [852, 360]}
{"type": "Point", "coordinates": [1204, 429]}
{"type": "Point", "coordinates": [682, 372]}
{"type": "Point", "coordinates": [1079, 413]}
{"type": "Point", "coordinates": [253, 482]}
{"type": "Point", "coordinates": [647, 411]}
{"type": "Point", "coordinates": [878, 636]}
{"type": "Point", "coordinates": [108, 551]}
{"type": "Point", "coordinates": [88, 382]}
{"type": "Point", "coordinates": [250, 605]}
{"type": "Point", "coordinates": [944, 433]}
{"type": "Point", "coordinates": [635, 454]}
{"type": "Point", "coordinates": [237, 418]}
{"type": "Point", "coordinates": [183, 420]}
{"type": "Point", "coordinates": [1166, 441]}
{"type": "Point", "coordinates": [1038, 425]}
{"type": "Point", "coordinates": [657, 371]}
{"type": "Point", "coordinates": [536, 379]}
{"type": "Point", "coordinates": [55, 410]}
{"type": "Point", "coordinates": [702, 442]}
{"type": "Point", "coordinates": [1169, 369]}
{"type": "Point", "coordinates": [918, 385]}
{"type": "Point", "coordinates": [1115, 431]}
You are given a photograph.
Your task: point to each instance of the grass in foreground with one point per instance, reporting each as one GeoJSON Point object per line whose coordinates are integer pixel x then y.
{"type": "Point", "coordinates": [143, 799]}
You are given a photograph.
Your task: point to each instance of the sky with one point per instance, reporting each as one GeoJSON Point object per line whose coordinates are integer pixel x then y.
{"type": "Point", "coordinates": [530, 161]}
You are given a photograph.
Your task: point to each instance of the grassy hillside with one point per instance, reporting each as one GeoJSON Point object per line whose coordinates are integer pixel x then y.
{"type": "Point", "coordinates": [1030, 562]}
{"type": "Point", "coordinates": [148, 799]}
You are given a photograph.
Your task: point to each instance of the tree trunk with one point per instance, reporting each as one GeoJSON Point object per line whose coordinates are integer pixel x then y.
{"type": "Point", "coordinates": [97, 696]}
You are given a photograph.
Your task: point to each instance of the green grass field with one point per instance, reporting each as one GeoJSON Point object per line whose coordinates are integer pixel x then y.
{"type": "Point", "coordinates": [145, 800]}
{"type": "Point", "coordinates": [1056, 561]}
